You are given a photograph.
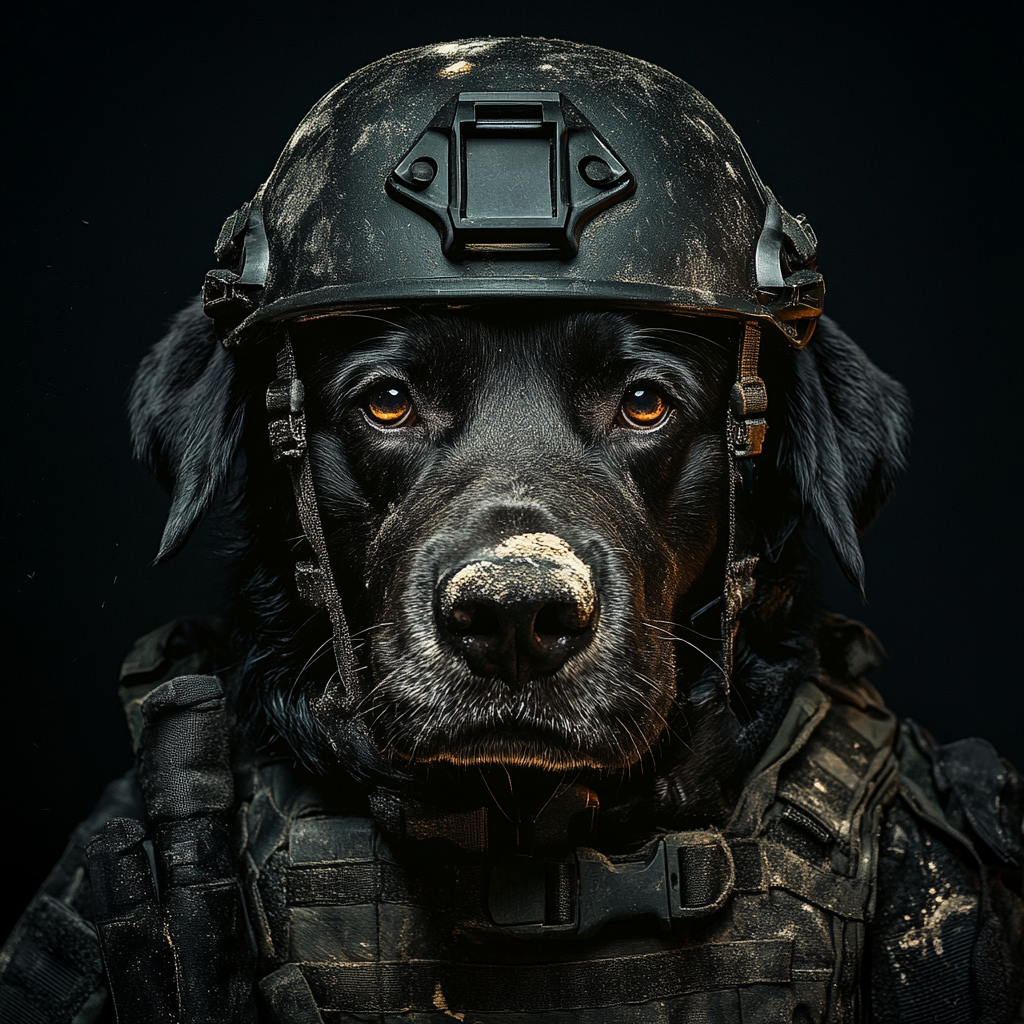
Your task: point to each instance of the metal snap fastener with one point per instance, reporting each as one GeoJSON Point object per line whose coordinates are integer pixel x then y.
{"type": "Point", "coordinates": [422, 171]}
{"type": "Point", "coordinates": [596, 172]}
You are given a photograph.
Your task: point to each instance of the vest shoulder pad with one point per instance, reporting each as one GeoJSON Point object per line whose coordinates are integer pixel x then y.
{"type": "Point", "coordinates": [976, 793]}
{"type": "Point", "coordinates": [188, 645]}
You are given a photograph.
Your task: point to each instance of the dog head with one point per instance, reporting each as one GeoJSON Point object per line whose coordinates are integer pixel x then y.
{"type": "Point", "coordinates": [524, 510]}
{"type": "Point", "coordinates": [536, 498]}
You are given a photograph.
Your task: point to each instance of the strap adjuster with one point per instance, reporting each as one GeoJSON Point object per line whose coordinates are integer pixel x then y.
{"type": "Point", "coordinates": [286, 400]}
{"type": "Point", "coordinates": [311, 584]}
{"type": "Point", "coordinates": [701, 872]}
{"type": "Point", "coordinates": [746, 435]}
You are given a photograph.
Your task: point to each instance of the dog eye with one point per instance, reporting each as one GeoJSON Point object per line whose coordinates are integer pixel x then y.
{"type": "Point", "coordinates": [643, 407]}
{"type": "Point", "coordinates": [390, 406]}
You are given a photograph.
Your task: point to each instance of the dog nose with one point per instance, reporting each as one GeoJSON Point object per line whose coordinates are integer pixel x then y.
{"type": "Point", "coordinates": [521, 609]}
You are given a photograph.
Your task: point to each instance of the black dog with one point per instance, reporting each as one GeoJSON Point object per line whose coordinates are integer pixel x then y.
{"type": "Point", "coordinates": [528, 519]}
{"type": "Point", "coordinates": [593, 441]}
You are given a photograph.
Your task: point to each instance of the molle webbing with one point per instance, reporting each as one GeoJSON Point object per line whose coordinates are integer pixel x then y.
{"type": "Point", "coordinates": [421, 985]}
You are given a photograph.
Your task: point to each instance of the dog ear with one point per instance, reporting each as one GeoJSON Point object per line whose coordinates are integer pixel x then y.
{"type": "Point", "coordinates": [845, 440]}
{"type": "Point", "coordinates": [187, 412]}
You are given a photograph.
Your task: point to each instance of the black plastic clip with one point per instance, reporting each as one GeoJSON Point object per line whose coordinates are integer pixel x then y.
{"type": "Point", "coordinates": [681, 875]}
{"type": "Point", "coordinates": [224, 296]}
{"type": "Point", "coordinates": [311, 584]}
{"type": "Point", "coordinates": [746, 435]}
{"type": "Point", "coordinates": [287, 426]}
{"type": "Point", "coordinates": [234, 289]}
{"type": "Point", "coordinates": [531, 897]}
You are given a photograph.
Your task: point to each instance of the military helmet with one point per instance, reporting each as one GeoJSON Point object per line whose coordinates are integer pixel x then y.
{"type": "Point", "coordinates": [509, 169]}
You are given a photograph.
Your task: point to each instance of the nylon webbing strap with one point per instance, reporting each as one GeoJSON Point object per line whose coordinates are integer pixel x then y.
{"type": "Point", "coordinates": [763, 865]}
{"type": "Point", "coordinates": [745, 430]}
{"type": "Point", "coordinates": [315, 580]}
{"type": "Point", "coordinates": [422, 985]}
{"type": "Point", "coordinates": [412, 819]}
{"type": "Point", "coordinates": [748, 399]}
{"type": "Point", "coordinates": [337, 885]}
{"type": "Point", "coordinates": [51, 964]}
{"type": "Point", "coordinates": [682, 875]}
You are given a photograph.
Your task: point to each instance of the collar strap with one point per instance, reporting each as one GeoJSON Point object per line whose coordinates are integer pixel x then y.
{"type": "Point", "coordinates": [567, 817]}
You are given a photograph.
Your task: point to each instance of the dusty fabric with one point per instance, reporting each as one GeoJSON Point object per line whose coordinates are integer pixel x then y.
{"type": "Point", "coordinates": [350, 924]}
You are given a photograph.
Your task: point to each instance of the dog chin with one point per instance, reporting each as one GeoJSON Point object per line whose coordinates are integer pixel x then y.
{"type": "Point", "coordinates": [509, 749]}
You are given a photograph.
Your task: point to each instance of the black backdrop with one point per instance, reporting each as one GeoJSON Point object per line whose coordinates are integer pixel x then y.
{"type": "Point", "coordinates": [132, 135]}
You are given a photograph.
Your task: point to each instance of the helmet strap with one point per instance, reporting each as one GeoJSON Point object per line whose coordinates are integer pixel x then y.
{"type": "Point", "coordinates": [335, 706]}
{"type": "Point", "coordinates": [744, 436]}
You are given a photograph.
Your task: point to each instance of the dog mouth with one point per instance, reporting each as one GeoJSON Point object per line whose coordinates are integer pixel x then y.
{"type": "Point", "coordinates": [514, 747]}
{"type": "Point", "coordinates": [524, 735]}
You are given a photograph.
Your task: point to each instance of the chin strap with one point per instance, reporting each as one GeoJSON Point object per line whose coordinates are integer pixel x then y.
{"type": "Point", "coordinates": [744, 434]}
{"type": "Point", "coordinates": [334, 707]}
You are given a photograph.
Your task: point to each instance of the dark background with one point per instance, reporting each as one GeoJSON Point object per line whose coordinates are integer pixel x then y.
{"type": "Point", "coordinates": [131, 136]}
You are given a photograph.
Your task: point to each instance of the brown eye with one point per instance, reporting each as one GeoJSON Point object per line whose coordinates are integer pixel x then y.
{"type": "Point", "coordinates": [643, 407]}
{"type": "Point", "coordinates": [391, 406]}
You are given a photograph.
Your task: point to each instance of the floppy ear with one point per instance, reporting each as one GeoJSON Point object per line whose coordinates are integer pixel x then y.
{"type": "Point", "coordinates": [845, 441]}
{"type": "Point", "coordinates": [187, 411]}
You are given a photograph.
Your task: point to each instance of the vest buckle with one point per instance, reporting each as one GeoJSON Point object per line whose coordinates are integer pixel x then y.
{"type": "Point", "coordinates": [681, 875]}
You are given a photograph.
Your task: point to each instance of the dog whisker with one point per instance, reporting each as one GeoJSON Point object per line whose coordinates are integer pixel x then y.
{"type": "Point", "coordinates": [371, 628]}
{"type": "Point", "coordinates": [689, 629]}
{"type": "Point", "coordinates": [497, 802]}
{"type": "Point", "coordinates": [689, 643]}
{"type": "Point", "coordinates": [313, 657]}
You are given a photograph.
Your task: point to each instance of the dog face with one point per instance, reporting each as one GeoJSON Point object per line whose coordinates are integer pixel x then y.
{"type": "Point", "coordinates": [523, 509]}
{"type": "Point", "coordinates": [535, 500]}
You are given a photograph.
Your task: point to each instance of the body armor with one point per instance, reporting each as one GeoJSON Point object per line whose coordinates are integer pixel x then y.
{"type": "Point", "coordinates": [860, 877]}
{"type": "Point", "coordinates": [752, 922]}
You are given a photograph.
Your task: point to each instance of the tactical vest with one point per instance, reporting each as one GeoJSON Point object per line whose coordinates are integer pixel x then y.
{"type": "Point", "coordinates": [761, 921]}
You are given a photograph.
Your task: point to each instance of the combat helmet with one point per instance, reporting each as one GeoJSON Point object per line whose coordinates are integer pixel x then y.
{"type": "Point", "coordinates": [489, 170]}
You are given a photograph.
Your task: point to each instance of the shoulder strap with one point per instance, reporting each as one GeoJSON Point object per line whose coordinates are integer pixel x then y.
{"type": "Point", "coordinates": [982, 794]}
{"type": "Point", "coordinates": [917, 752]}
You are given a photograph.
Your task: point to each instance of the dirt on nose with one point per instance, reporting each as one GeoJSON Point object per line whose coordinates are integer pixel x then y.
{"type": "Point", "coordinates": [525, 567]}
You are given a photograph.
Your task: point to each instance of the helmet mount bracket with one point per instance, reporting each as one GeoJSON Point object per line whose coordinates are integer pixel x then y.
{"type": "Point", "coordinates": [509, 174]}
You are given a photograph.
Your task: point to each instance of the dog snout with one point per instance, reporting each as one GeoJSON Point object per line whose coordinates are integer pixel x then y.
{"type": "Point", "coordinates": [520, 609]}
